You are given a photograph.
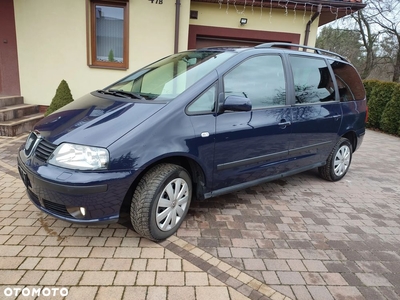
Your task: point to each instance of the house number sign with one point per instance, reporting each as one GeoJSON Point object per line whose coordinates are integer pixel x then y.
{"type": "Point", "coordinates": [156, 1]}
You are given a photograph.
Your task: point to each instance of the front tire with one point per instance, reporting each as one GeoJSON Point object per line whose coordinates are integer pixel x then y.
{"type": "Point", "coordinates": [338, 162]}
{"type": "Point", "coordinates": [161, 201]}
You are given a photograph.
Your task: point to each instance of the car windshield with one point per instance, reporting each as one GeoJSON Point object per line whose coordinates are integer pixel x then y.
{"type": "Point", "coordinates": [171, 76]}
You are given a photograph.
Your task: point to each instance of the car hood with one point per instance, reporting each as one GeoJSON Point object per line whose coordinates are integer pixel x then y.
{"type": "Point", "coordinates": [95, 121]}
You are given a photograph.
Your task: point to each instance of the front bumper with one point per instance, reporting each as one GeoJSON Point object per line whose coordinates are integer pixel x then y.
{"type": "Point", "coordinates": [61, 193]}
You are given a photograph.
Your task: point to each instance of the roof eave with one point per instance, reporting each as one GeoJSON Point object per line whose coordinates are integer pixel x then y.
{"type": "Point", "coordinates": [332, 11]}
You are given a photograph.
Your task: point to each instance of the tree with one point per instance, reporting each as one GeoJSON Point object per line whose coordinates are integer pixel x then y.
{"type": "Point", "coordinates": [369, 40]}
{"type": "Point", "coordinates": [378, 25]}
{"type": "Point", "coordinates": [380, 20]}
{"type": "Point", "coordinates": [62, 97]}
{"type": "Point", "coordinates": [342, 41]}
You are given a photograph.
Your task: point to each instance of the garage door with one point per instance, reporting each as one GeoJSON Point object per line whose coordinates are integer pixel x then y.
{"type": "Point", "coordinates": [209, 36]}
{"type": "Point", "coordinates": [202, 42]}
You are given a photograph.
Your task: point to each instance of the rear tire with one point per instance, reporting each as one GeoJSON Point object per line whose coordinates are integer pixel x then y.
{"type": "Point", "coordinates": [338, 162]}
{"type": "Point", "coordinates": [161, 201]}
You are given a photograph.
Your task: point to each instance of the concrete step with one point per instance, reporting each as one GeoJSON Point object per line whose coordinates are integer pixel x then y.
{"type": "Point", "coordinates": [20, 125]}
{"type": "Point", "coordinates": [16, 111]}
{"type": "Point", "coordinates": [11, 100]}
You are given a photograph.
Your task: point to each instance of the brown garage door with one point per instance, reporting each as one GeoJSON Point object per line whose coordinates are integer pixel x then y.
{"type": "Point", "coordinates": [202, 42]}
{"type": "Point", "coordinates": [208, 36]}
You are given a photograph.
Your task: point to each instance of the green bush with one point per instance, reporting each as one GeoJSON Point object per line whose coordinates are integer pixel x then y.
{"type": "Point", "coordinates": [390, 121]}
{"type": "Point", "coordinates": [369, 85]}
{"type": "Point", "coordinates": [381, 94]}
{"type": "Point", "coordinates": [111, 55]}
{"type": "Point", "coordinates": [398, 131]}
{"type": "Point", "coordinates": [62, 97]}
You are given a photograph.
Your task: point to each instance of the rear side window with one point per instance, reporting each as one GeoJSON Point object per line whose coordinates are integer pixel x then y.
{"type": "Point", "coordinates": [348, 80]}
{"type": "Point", "coordinates": [312, 80]}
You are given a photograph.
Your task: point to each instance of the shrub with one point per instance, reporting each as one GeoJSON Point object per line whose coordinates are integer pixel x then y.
{"type": "Point", "coordinates": [111, 55]}
{"type": "Point", "coordinates": [62, 97]}
{"type": "Point", "coordinates": [369, 85]}
{"type": "Point", "coordinates": [390, 121]}
{"type": "Point", "coordinates": [381, 94]}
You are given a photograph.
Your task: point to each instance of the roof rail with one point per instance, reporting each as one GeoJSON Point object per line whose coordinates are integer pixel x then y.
{"type": "Point", "coordinates": [316, 50]}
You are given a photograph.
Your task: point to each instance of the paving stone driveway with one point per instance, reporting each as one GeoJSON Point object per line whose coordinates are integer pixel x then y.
{"type": "Point", "coordinates": [300, 237]}
{"type": "Point", "coordinates": [313, 239]}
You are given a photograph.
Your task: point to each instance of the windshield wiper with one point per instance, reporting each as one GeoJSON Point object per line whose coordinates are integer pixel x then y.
{"type": "Point", "coordinates": [129, 94]}
{"type": "Point", "coordinates": [121, 93]}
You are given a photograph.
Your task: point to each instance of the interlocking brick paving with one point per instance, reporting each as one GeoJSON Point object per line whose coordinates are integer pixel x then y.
{"type": "Point", "coordinates": [299, 237]}
{"type": "Point", "coordinates": [309, 238]}
{"type": "Point", "coordinates": [101, 262]}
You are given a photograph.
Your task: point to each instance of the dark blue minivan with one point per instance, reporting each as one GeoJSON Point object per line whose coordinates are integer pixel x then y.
{"type": "Point", "coordinates": [196, 124]}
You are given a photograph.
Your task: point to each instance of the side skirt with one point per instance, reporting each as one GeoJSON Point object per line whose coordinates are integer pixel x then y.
{"type": "Point", "coordinates": [245, 185]}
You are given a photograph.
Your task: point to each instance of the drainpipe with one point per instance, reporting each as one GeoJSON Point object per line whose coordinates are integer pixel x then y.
{"type": "Point", "coordinates": [314, 16]}
{"type": "Point", "coordinates": [177, 17]}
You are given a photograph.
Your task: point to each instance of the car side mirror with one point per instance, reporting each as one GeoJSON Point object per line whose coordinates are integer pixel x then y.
{"type": "Point", "coordinates": [237, 103]}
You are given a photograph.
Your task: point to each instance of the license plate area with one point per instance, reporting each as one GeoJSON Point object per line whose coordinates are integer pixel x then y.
{"type": "Point", "coordinates": [24, 177]}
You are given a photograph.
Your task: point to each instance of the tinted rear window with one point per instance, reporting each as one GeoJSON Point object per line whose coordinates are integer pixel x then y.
{"type": "Point", "coordinates": [349, 82]}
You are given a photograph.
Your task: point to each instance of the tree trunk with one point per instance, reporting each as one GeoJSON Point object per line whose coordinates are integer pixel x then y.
{"type": "Point", "coordinates": [368, 40]}
{"type": "Point", "coordinates": [396, 67]}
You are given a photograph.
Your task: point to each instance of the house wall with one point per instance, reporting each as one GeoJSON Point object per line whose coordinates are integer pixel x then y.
{"type": "Point", "coordinates": [52, 44]}
{"type": "Point", "coordinates": [52, 39]}
{"type": "Point", "coordinates": [257, 19]}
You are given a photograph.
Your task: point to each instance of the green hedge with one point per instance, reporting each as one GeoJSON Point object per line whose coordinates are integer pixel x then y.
{"type": "Point", "coordinates": [369, 85]}
{"type": "Point", "coordinates": [390, 121]}
{"type": "Point", "coordinates": [380, 95]}
{"type": "Point", "coordinates": [383, 105]}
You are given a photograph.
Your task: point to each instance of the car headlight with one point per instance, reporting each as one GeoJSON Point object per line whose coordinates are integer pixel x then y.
{"type": "Point", "coordinates": [79, 157]}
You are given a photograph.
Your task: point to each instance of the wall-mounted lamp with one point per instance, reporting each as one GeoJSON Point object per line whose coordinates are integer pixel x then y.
{"type": "Point", "coordinates": [243, 21]}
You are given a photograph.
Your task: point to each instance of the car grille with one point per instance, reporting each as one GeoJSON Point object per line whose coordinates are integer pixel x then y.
{"type": "Point", "coordinates": [44, 150]}
{"type": "Point", "coordinates": [56, 208]}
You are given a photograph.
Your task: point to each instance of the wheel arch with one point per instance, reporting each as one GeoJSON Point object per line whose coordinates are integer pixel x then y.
{"type": "Point", "coordinates": [352, 137]}
{"type": "Point", "coordinates": [196, 173]}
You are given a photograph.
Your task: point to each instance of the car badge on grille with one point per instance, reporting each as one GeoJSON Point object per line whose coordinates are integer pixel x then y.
{"type": "Point", "coordinates": [31, 143]}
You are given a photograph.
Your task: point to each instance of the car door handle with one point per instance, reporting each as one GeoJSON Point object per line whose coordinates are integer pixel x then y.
{"type": "Point", "coordinates": [284, 123]}
{"type": "Point", "coordinates": [336, 117]}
